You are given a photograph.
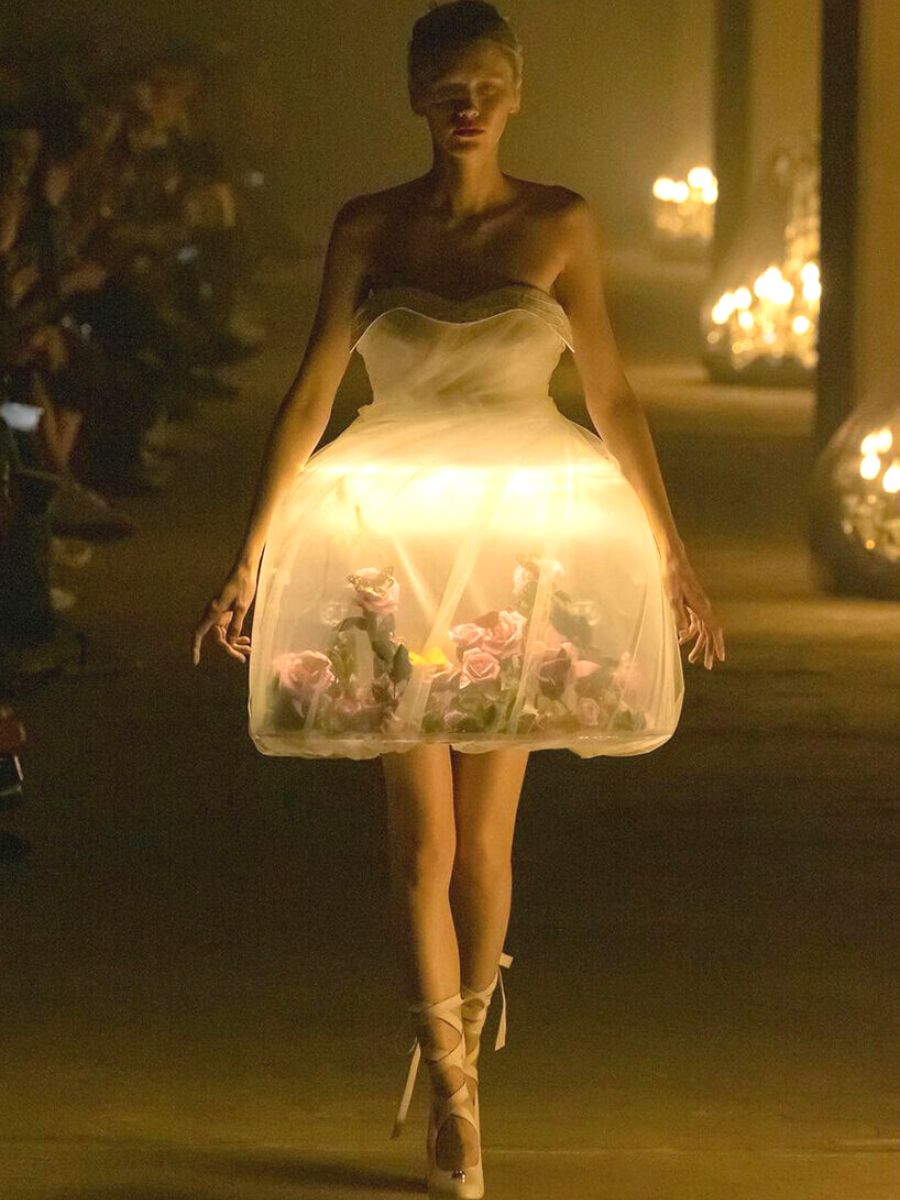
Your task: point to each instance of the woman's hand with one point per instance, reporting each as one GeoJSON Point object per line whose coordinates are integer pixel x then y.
{"type": "Point", "coordinates": [225, 614]}
{"type": "Point", "coordinates": [693, 610]}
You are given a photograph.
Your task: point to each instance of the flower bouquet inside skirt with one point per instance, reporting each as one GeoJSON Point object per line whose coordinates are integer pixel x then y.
{"type": "Point", "coordinates": [475, 582]}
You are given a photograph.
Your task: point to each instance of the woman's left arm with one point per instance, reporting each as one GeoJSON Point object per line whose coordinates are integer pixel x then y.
{"type": "Point", "coordinates": [620, 421]}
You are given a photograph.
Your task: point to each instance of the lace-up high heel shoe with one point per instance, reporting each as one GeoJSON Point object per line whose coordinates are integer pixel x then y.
{"type": "Point", "coordinates": [474, 1014]}
{"type": "Point", "coordinates": [462, 1183]}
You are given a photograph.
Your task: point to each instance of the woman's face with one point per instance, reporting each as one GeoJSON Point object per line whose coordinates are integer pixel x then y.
{"type": "Point", "coordinates": [477, 88]}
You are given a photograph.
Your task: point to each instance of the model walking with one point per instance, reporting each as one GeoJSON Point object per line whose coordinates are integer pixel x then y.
{"type": "Point", "coordinates": [463, 575]}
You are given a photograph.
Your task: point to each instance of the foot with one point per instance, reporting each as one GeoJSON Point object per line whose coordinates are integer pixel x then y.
{"type": "Point", "coordinates": [457, 1143]}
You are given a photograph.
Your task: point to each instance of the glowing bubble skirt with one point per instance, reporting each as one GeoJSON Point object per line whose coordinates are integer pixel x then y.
{"type": "Point", "coordinates": [463, 564]}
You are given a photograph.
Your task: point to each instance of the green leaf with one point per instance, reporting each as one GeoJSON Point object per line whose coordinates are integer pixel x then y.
{"type": "Point", "coordinates": [401, 667]}
{"type": "Point", "coordinates": [383, 649]}
{"type": "Point", "coordinates": [574, 626]}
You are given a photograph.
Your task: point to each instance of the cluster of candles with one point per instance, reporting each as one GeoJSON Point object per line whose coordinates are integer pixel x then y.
{"type": "Point", "coordinates": [683, 208]}
{"type": "Point", "coordinates": [868, 480]}
{"type": "Point", "coordinates": [777, 317]}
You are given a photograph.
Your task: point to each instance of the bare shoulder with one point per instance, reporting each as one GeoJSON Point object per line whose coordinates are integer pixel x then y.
{"type": "Point", "coordinates": [551, 198]}
{"type": "Point", "coordinates": [367, 212]}
{"type": "Point", "coordinates": [550, 203]}
{"type": "Point", "coordinates": [359, 216]}
{"type": "Point", "coordinates": [577, 218]}
{"type": "Point", "coordinates": [565, 218]}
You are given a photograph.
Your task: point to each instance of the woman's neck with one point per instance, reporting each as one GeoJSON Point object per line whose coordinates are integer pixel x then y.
{"type": "Point", "coordinates": [458, 189]}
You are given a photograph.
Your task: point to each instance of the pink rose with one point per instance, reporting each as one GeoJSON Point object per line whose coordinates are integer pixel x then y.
{"type": "Point", "coordinates": [467, 636]}
{"type": "Point", "coordinates": [504, 636]}
{"type": "Point", "coordinates": [478, 667]}
{"type": "Point", "coordinates": [300, 674]}
{"type": "Point", "coordinates": [376, 591]}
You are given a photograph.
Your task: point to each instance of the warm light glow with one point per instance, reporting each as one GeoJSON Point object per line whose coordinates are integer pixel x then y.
{"type": "Point", "coordinates": [528, 495]}
{"type": "Point", "coordinates": [891, 481]}
{"type": "Point", "coordinates": [700, 177]}
{"type": "Point", "coordinates": [684, 207]}
{"type": "Point", "coordinates": [870, 466]}
{"type": "Point", "coordinates": [877, 443]}
{"type": "Point", "coordinates": [812, 290]}
{"type": "Point", "coordinates": [723, 308]}
{"type": "Point", "coordinates": [772, 318]}
{"type": "Point", "coordinates": [766, 284]}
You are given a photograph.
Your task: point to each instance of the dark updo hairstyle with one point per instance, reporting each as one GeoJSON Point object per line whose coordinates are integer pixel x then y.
{"type": "Point", "coordinates": [446, 28]}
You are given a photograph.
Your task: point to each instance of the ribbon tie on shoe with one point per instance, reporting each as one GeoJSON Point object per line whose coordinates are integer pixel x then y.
{"type": "Point", "coordinates": [416, 1051]}
{"type": "Point", "coordinates": [505, 961]}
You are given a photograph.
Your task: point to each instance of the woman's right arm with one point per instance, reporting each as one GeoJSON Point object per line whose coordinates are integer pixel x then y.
{"type": "Point", "coordinates": [300, 420]}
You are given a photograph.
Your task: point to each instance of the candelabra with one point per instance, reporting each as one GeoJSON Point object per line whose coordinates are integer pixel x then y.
{"type": "Point", "coordinates": [682, 212]}
{"type": "Point", "coordinates": [760, 321]}
{"type": "Point", "coordinates": [855, 511]}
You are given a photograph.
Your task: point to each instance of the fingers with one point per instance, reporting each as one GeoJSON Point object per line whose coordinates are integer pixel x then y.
{"type": "Point", "coordinates": [239, 648]}
{"type": "Point", "coordinates": [237, 620]}
{"type": "Point", "coordinates": [219, 613]}
{"type": "Point", "coordinates": [710, 642]}
{"type": "Point", "coordinates": [720, 644]}
{"type": "Point", "coordinates": [686, 627]}
{"type": "Point", "coordinates": [210, 615]}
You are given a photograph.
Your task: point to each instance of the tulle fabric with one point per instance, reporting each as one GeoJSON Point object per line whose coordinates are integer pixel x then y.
{"type": "Point", "coordinates": [463, 564]}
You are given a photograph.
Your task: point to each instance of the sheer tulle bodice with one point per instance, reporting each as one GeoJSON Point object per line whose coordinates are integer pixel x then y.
{"type": "Point", "coordinates": [463, 563]}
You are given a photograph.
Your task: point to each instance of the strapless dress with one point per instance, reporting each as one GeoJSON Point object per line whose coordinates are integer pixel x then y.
{"type": "Point", "coordinates": [462, 564]}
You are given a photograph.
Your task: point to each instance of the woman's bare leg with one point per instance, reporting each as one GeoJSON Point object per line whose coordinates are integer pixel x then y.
{"type": "Point", "coordinates": [422, 845]}
{"type": "Point", "coordinates": [487, 787]}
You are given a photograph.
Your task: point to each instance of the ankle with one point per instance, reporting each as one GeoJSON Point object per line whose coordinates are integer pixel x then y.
{"type": "Point", "coordinates": [469, 989]}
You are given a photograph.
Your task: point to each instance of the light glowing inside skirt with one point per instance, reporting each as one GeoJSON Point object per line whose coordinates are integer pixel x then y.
{"type": "Point", "coordinates": [479, 574]}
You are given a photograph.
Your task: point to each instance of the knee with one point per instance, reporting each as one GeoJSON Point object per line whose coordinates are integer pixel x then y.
{"type": "Point", "coordinates": [479, 858]}
{"type": "Point", "coordinates": [423, 867]}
